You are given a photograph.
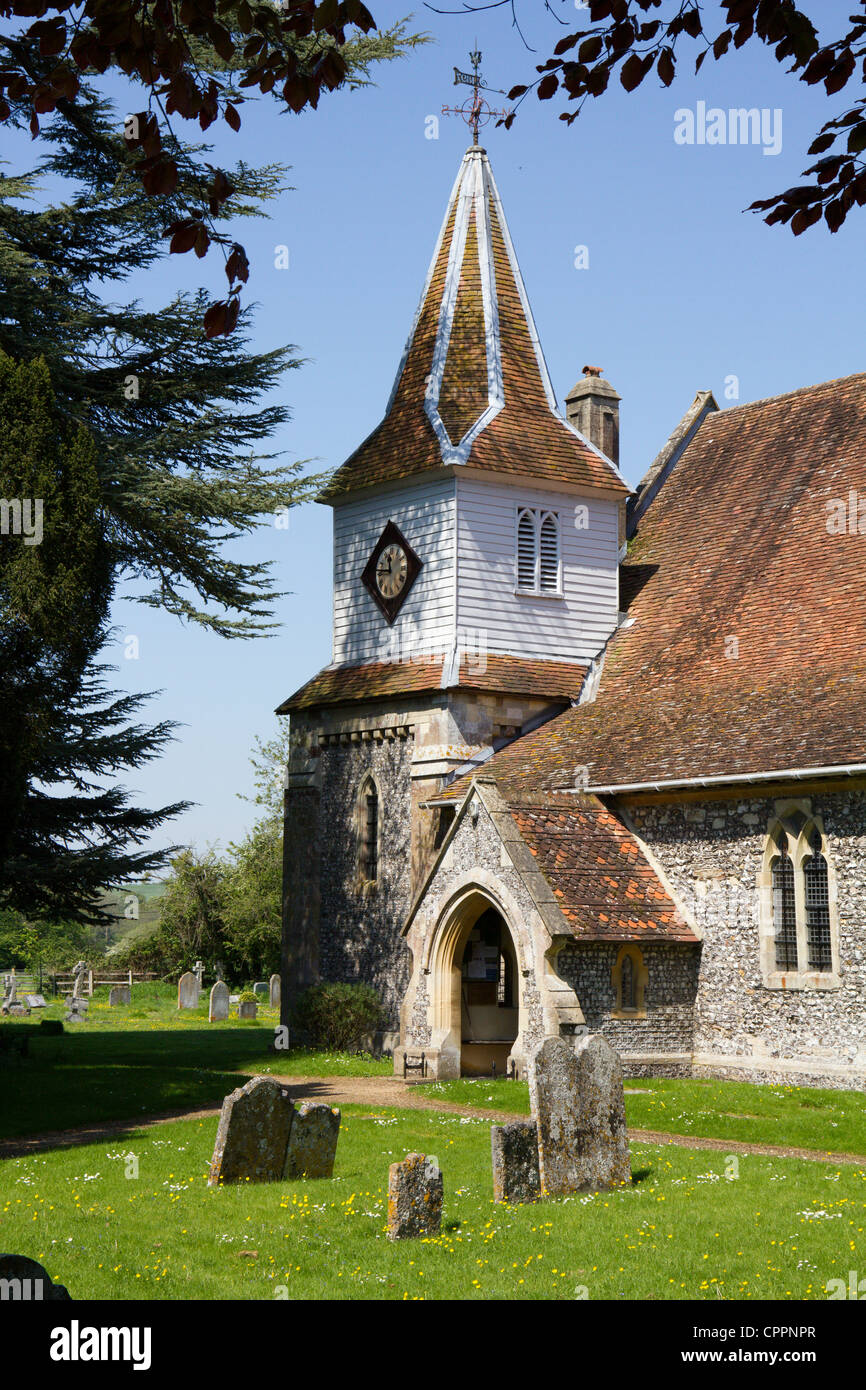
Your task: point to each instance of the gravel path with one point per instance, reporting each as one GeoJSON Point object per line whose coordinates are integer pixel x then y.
{"type": "Point", "coordinates": [389, 1092]}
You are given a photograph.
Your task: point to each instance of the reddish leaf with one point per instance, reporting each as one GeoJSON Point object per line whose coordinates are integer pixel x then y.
{"type": "Point", "coordinates": [231, 116]}
{"type": "Point", "coordinates": [806, 217]}
{"type": "Point", "coordinates": [215, 319]}
{"type": "Point", "coordinates": [590, 49]}
{"type": "Point", "coordinates": [632, 72]}
{"type": "Point", "coordinates": [547, 86]}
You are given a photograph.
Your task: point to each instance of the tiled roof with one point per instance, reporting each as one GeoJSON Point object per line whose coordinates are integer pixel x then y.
{"type": "Point", "coordinates": [557, 680]}
{"type": "Point", "coordinates": [746, 653]}
{"type": "Point", "coordinates": [473, 386]}
{"type": "Point", "coordinates": [605, 886]}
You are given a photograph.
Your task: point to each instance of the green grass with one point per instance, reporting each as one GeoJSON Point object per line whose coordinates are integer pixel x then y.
{"type": "Point", "coordinates": [800, 1116]}
{"type": "Point", "coordinates": [146, 1058]}
{"type": "Point", "coordinates": [686, 1228]}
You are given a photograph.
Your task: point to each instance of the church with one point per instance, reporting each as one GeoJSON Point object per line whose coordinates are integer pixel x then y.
{"type": "Point", "coordinates": [586, 757]}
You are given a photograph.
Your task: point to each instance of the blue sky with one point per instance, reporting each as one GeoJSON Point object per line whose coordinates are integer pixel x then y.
{"type": "Point", "coordinates": [683, 291]}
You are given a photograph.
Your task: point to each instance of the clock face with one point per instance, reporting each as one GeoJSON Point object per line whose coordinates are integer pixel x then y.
{"type": "Point", "coordinates": [391, 571]}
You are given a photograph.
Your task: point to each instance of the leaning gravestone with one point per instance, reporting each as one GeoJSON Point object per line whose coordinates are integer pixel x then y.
{"type": "Point", "coordinates": [26, 1280]}
{"type": "Point", "coordinates": [274, 991]}
{"type": "Point", "coordinates": [312, 1141]}
{"type": "Point", "coordinates": [187, 991]}
{"type": "Point", "coordinates": [515, 1162]}
{"type": "Point", "coordinates": [577, 1099]}
{"type": "Point", "coordinates": [414, 1198]}
{"type": "Point", "coordinates": [219, 1003]}
{"type": "Point", "coordinates": [253, 1133]}
{"type": "Point", "coordinates": [119, 994]}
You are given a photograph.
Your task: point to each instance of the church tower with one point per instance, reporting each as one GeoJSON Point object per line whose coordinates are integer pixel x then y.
{"type": "Point", "coordinates": [477, 536]}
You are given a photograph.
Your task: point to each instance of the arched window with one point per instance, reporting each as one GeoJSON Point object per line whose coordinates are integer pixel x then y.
{"type": "Point", "coordinates": [538, 559]}
{"type": "Point", "coordinates": [548, 571]}
{"type": "Point", "coordinates": [368, 815]}
{"type": "Point", "coordinates": [784, 910]}
{"type": "Point", "coordinates": [527, 551]}
{"type": "Point", "coordinates": [799, 924]}
{"type": "Point", "coordinates": [629, 978]}
{"type": "Point", "coordinates": [817, 907]}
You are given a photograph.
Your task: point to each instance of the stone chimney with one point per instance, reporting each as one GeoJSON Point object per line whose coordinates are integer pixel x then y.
{"type": "Point", "coordinates": [592, 406]}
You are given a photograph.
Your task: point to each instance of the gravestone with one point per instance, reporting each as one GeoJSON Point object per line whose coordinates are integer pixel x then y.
{"type": "Point", "coordinates": [312, 1141]}
{"type": "Point", "coordinates": [247, 1008]}
{"type": "Point", "coordinates": [515, 1162]}
{"type": "Point", "coordinates": [188, 991]}
{"type": "Point", "coordinates": [260, 987]}
{"type": "Point", "coordinates": [78, 978]}
{"type": "Point", "coordinates": [198, 971]}
{"type": "Point", "coordinates": [35, 1001]}
{"type": "Point", "coordinates": [414, 1198]}
{"type": "Point", "coordinates": [274, 991]}
{"type": "Point", "coordinates": [577, 1099]}
{"type": "Point", "coordinates": [119, 994]}
{"type": "Point", "coordinates": [253, 1133]}
{"type": "Point", "coordinates": [77, 1008]}
{"type": "Point", "coordinates": [26, 1280]}
{"type": "Point", "coordinates": [219, 1003]}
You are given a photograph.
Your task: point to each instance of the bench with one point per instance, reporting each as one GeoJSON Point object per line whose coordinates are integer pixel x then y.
{"type": "Point", "coordinates": [416, 1064]}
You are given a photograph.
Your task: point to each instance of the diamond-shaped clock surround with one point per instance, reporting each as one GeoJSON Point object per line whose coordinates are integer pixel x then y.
{"type": "Point", "coordinates": [390, 607]}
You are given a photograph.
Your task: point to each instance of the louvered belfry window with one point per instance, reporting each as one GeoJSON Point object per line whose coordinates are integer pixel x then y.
{"type": "Point", "coordinates": [817, 908]}
{"type": "Point", "coordinates": [784, 912]}
{"type": "Point", "coordinates": [538, 569]}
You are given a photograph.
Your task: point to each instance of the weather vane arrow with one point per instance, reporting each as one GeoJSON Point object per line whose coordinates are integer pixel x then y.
{"type": "Point", "coordinates": [475, 111]}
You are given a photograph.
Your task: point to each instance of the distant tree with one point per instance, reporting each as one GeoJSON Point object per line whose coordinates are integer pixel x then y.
{"type": "Point", "coordinates": [584, 61]}
{"type": "Point", "coordinates": [252, 900]}
{"type": "Point", "coordinates": [192, 923]}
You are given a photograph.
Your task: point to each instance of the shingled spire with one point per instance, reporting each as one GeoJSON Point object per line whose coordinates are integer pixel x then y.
{"type": "Point", "coordinates": [472, 387]}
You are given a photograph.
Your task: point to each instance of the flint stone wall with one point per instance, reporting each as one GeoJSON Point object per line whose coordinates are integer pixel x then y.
{"type": "Point", "coordinates": [712, 853]}
{"type": "Point", "coordinates": [359, 932]}
{"type": "Point", "coordinates": [671, 991]}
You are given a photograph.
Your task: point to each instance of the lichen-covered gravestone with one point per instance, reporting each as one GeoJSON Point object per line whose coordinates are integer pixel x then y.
{"type": "Point", "coordinates": [253, 1133]}
{"type": "Point", "coordinates": [25, 1279]}
{"type": "Point", "coordinates": [414, 1198]}
{"type": "Point", "coordinates": [274, 991]}
{"type": "Point", "coordinates": [187, 991]}
{"type": "Point", "coordinates": [515, 1162]}
{"type": "Point", "coordinates": [312, 1141]}
{"type": "Point", "coordinates": [247, 1008]}
{"type": "Point", "coordinates": [119, 994]}
{"type": "Point", "coordinates": [576, 1093]}
{"type": "Point", "coordinates": [219, 1003]}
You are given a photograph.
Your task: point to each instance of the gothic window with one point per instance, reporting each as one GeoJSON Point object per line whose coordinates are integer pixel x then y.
{"type": "Point", "coordinates": [784, 912]}
{"type": "Point", "coordinates": [628, 983]}
{"type": "Point", "coordinates": [538, 559]}
{"type": "Point", "coordinates": [817, 908]}
{"type": "Point", "coordinates": [368, 827]}
{"type": "Point", "coordinates": [798, 903]}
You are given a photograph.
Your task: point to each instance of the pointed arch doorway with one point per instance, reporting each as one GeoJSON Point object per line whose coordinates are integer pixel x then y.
{"type": "Point", "coordinates": [476, 970]}
{"type": "Point", "coordinates": [489, 1011]}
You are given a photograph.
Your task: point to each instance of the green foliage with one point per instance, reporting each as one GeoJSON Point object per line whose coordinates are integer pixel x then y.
{"type": "Point", "coordinates": [62, 733]}
{"type": "Point", "coordinates": [224, 909]}
{"type": "Point", "coordinates": [337, 1016]}
{"type": "Point", "coordinates": [252, 901]}
{"type": "Point", "coordinates": [51, 945]}
{"type": "Point", "coordinates": [248, 996]}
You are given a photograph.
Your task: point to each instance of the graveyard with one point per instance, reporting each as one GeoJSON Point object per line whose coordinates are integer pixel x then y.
{"type": "Point", "coordinates": [320, 1199]}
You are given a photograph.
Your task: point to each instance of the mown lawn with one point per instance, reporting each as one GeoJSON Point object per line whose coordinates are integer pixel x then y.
{"type": "Point", "coordinates": [692, 1225]}
{"type": "Point", "coordinates": [145, 1058]}
{"type": "Point", "coordinates": [800, 1116]}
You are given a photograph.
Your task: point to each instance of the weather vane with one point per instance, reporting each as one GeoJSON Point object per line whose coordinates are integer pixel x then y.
{"type": "Point", "coordinates": [475, 110]}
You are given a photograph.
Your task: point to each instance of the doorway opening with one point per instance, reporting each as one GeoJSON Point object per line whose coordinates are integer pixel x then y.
{"type": "Point", "coordinates": [489, 1006]}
